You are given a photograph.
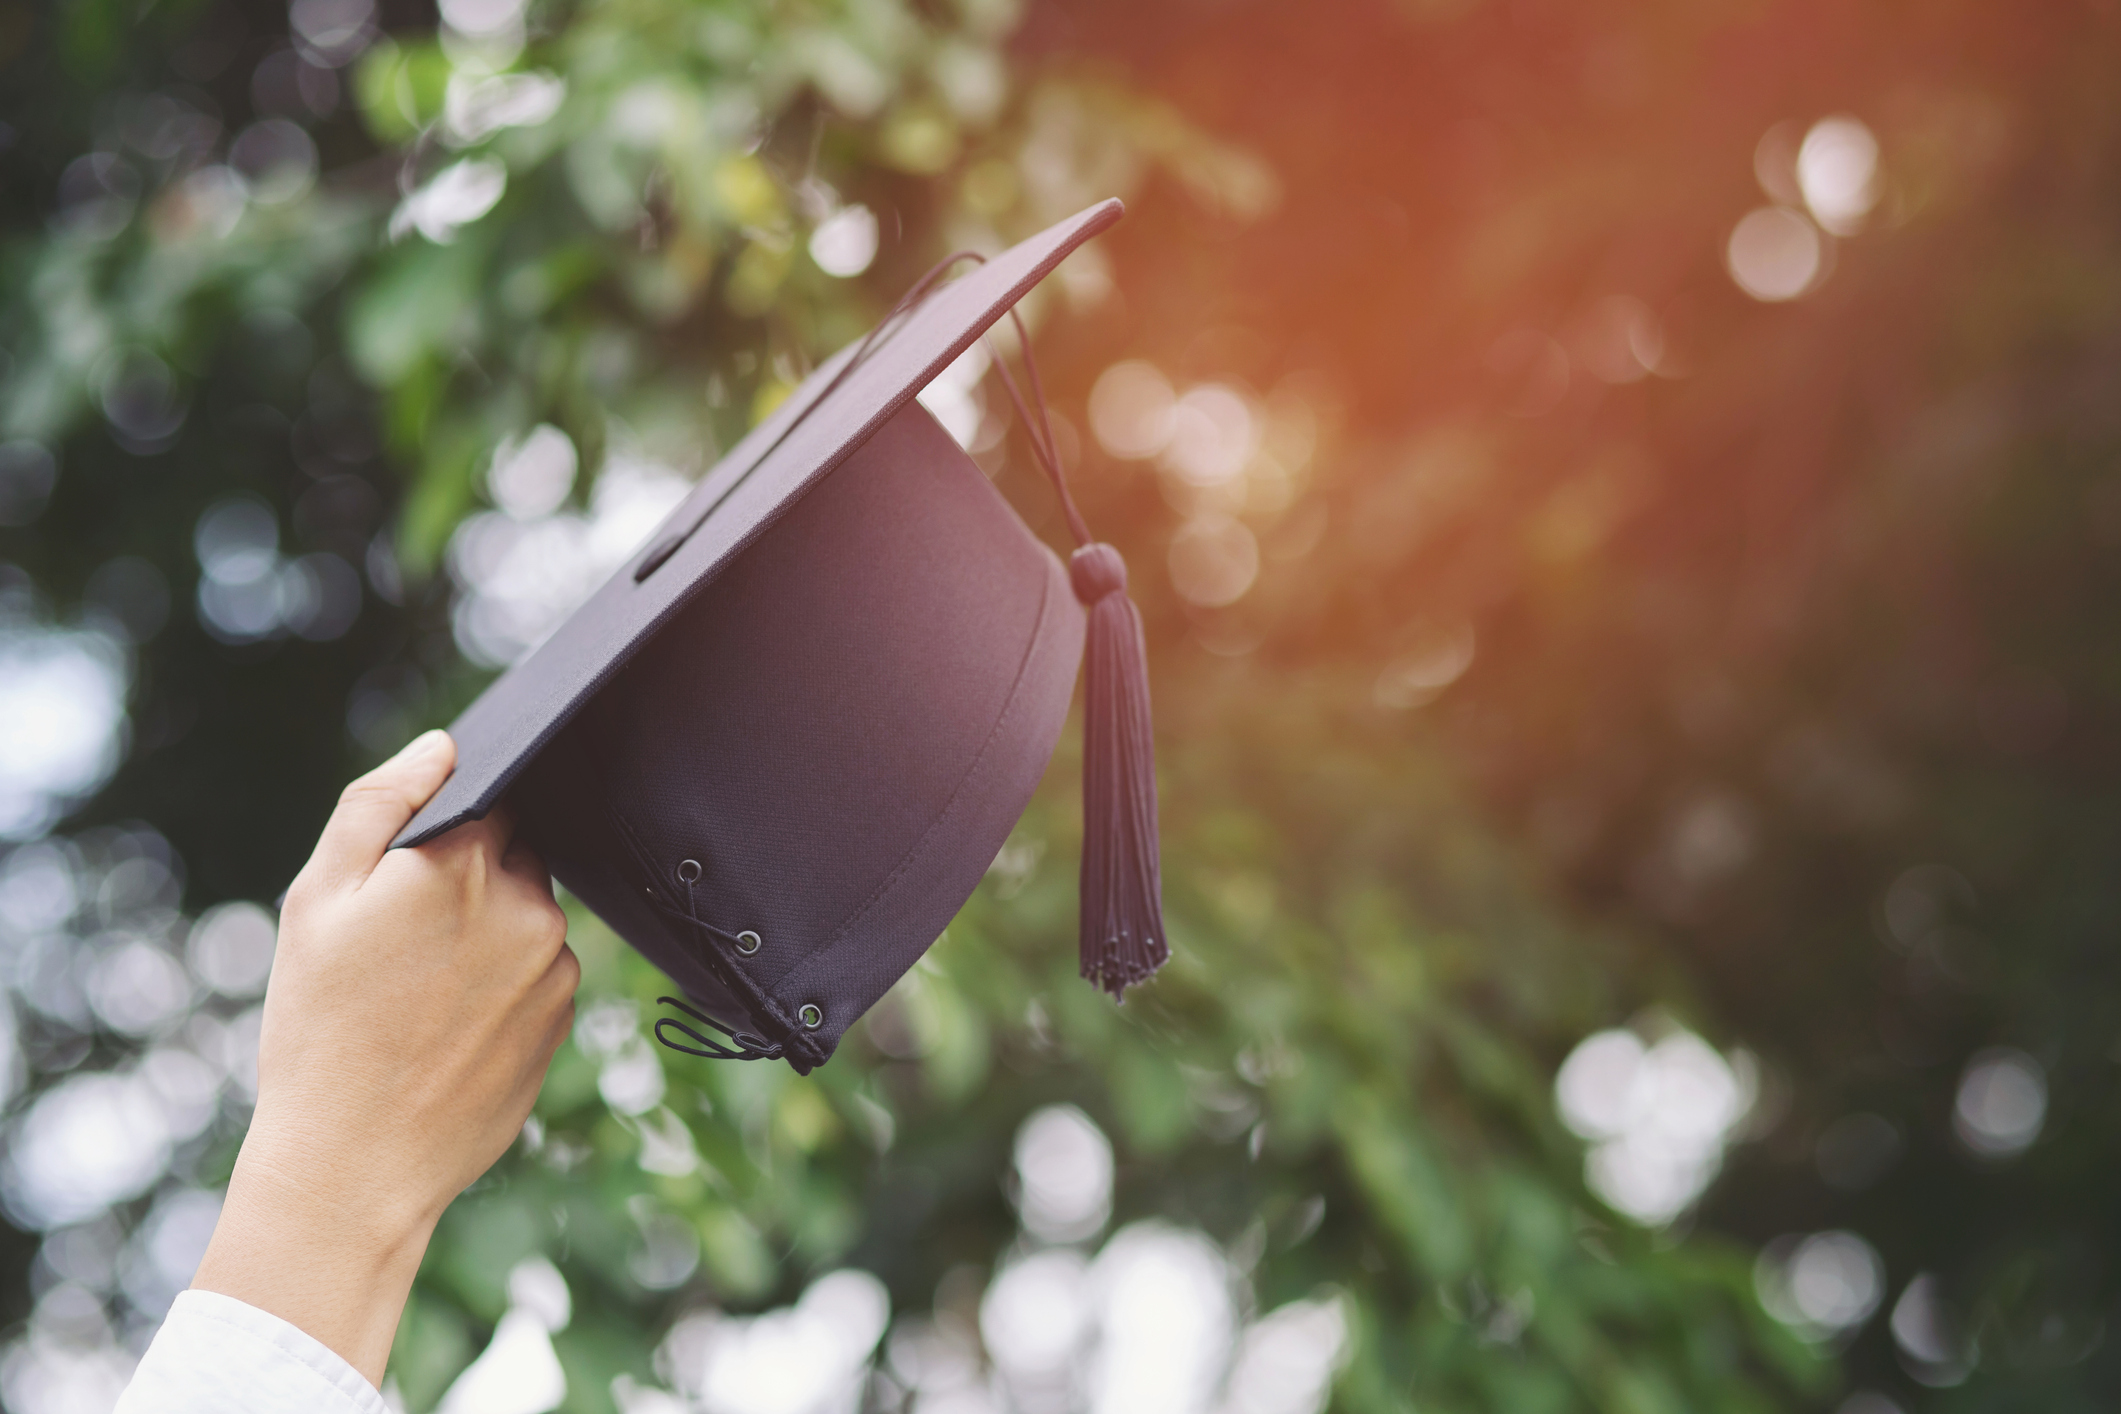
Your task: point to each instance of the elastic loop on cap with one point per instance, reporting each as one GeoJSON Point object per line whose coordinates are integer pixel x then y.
{"type": "Point", "coordinates": [742, 1045]}
{"type": "Point", "coordinates": [1095, 571]}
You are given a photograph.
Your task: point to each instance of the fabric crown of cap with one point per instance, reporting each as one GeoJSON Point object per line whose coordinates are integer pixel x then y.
{"type": "Point", "coordinates": [778, 749]}
{"type": "Point", "coordinates": [1120, 904]}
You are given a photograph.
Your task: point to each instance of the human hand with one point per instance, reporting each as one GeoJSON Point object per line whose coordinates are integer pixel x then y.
{"type": "Point", "coordinates": [416, 999]}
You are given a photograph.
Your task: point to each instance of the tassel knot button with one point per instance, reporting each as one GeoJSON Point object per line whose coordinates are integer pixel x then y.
{"type": "Point", "coordinates": [1096, 571]}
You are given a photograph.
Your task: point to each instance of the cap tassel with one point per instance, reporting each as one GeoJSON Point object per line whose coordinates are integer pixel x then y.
{"type": "Point", "coordinates": [1122, 902]}
{"type": "Point", "coordinates": [1121, 907]}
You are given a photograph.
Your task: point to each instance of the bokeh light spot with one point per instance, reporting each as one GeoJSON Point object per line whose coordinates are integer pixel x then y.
{"type": "Point", "coordinates": [1168, 1322]}
{"type": "Point", "coordinates": [1132, 407]}
{"type": "Point", "coordinates": [332, 31]}
{"type": "Point", "coordinates": [166, 1249]}
{"type": "Point", "coordinates": [137, 988]}
{"type": "Point", "coordinates": [140, 400]}
{"type": "Point", "coordinates": [2001, 1103]}
{"type": "Point", "coordinates": [231, 948]}
{"type": "Point", "coordinates": [809, 1358]}
{"type": "Point", "coordinates": [62, 696]}
{"type": "Point", "coordinates": [88, 1142]}
{"type": "Point", "coordinates": [1658, 1117]}
{"type": "Point", "coordinates": [1287, 1359]}
{"type": "Point", "coordinates": [1774, 254]}
{"type": "Point", "coordinates": [954, 399]}
{"type": "Point", "coordinates": [276, 159]}
{"type": "Point", "coordinates": [1619, 340]}
{"type": "Point", "coordinates": [531, 477]}
{"type": "Point", "coordinates": [1438, 656]}
{"type": "Point", "coordinates": [1034, 1320]}
{"type": "Point", "coordinates": [1213, 561]}
{"type": "Point", "coordinates": [844, 243]}
{"type": "Point", "coordinates": [1210, 435]}
{"type": "Point", "coordinates": [237, 540]}
{"type": "Point", "coordinates": [453, 198]}
{"type": "Point", "coordinates": [1837, 169]}
{"type": "Point", "coordinates": [474, 107]}
{"type": "Point", "coordinates": [1929, 1335]}
{"type": "Point", "coordinates": [517, 580]}
{"type": "Point", "coordinates": [1064, 1175]}
{"type": "Point", "coordinates": [1821, 1286]}
{"type": "Point", "coordinates": [518, 1373]}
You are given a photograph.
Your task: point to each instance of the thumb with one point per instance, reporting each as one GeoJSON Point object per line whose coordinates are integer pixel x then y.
{"type": "Point", "coordinates": [375, 807]}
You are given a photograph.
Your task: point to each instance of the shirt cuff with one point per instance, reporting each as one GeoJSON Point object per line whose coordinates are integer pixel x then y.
{"type": "Point", "coordinates": [217, 1355]}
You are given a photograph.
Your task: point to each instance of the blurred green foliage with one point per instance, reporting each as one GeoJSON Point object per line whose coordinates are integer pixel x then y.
{"type": "Point", "coordinates": [1768, 632]}
{"type": "Point", "coordinates": [1343, 1077]}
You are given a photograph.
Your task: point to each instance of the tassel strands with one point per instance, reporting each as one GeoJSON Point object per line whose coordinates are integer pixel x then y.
{"type": "Point", "coordinates": [1121, 904]}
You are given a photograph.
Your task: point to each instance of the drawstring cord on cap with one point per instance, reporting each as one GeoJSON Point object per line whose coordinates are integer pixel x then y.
{"type": "Point", "coordinates": [742, 1045]}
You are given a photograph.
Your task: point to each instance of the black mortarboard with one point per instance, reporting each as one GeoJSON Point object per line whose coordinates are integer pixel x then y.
{"type": "Point", "coordinates": [779, 748]}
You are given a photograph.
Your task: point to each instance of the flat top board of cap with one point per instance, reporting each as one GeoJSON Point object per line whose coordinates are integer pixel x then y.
{"type": "Point", "coordinates": [947, 616]}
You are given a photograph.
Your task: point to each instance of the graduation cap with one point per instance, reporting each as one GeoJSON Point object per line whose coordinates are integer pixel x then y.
{"type": "Point", "coordinates": [779, 748]}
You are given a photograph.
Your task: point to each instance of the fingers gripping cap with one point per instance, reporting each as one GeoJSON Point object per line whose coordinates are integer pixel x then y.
{"type": "Point", "coordinates": [779, 748]}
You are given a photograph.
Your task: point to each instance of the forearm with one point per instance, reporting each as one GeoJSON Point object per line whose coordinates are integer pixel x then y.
{"type": "Point", "coordinates": [338, 1264]}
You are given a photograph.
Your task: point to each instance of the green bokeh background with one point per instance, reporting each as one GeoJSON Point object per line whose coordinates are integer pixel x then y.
{"type": "Point", "coordinates": [1825, 599]}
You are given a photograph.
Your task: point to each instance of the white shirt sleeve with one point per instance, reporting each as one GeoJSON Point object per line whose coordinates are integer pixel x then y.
{"type": "Point", "coordinates": [217, 1355]}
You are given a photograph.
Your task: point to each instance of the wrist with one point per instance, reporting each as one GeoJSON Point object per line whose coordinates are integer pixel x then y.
{"type": "Point", "coordinates": [346, 1174]}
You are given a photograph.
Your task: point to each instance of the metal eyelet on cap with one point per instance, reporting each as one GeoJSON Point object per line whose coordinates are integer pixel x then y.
{"type": "Point", "coordinates": [747, 942]}
{"type": "Point", "coordinates": [689, 871]}
{"type": "Point", "coordinates": [811, 1015]}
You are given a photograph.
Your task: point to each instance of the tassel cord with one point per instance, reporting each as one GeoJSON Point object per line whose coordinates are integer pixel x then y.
{"type": "Point", "coordinates": [1039, 430]}
{"type": "Point", "coordinates": [1121, 904]}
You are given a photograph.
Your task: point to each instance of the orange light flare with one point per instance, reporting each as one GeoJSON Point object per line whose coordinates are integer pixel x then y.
{"type": "Point", "coordinates": [1561, 335]}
